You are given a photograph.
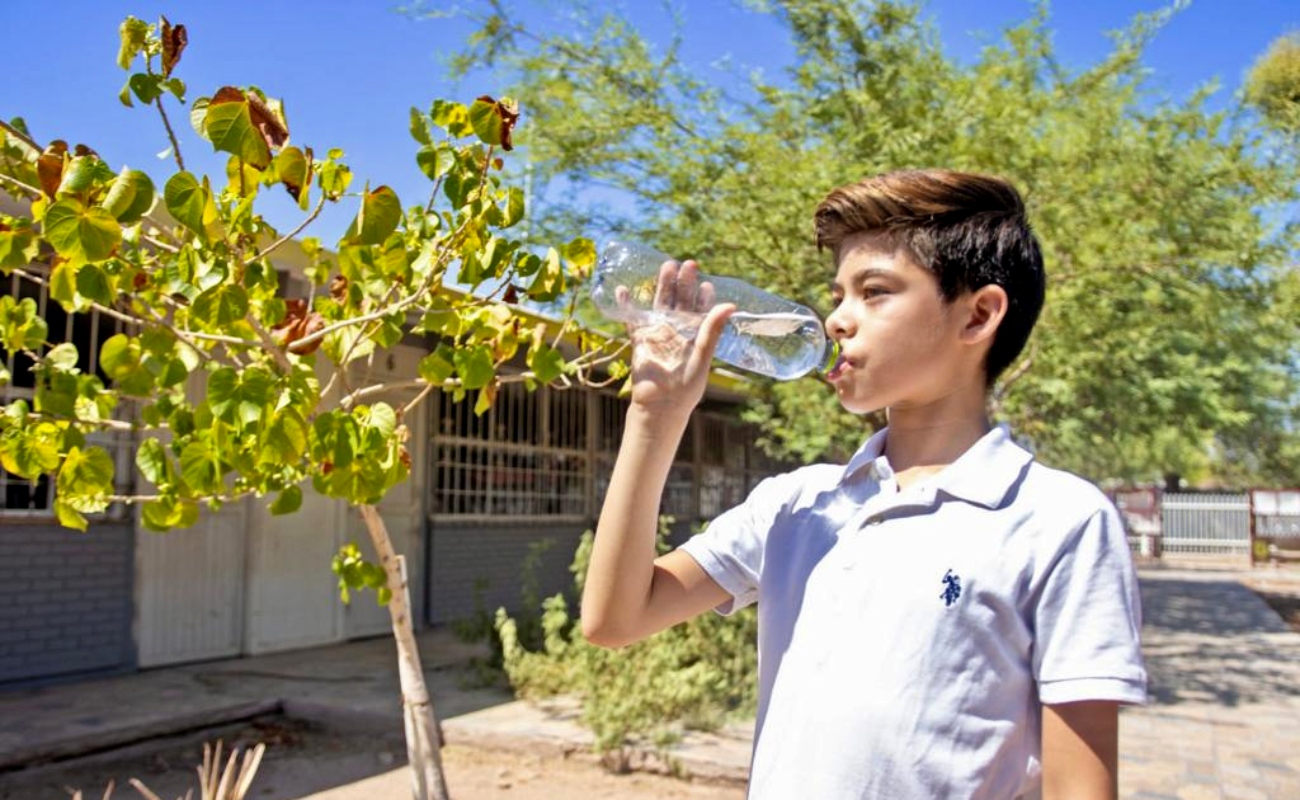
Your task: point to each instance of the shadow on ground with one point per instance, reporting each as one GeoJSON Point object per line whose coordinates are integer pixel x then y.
{"type": "Point", "coordinates": [1216, 641]}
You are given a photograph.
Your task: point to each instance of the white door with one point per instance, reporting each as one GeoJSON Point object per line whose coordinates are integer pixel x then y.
{"type": "Point", "coordinates": [293, 598]}
{"type": "Point", "coordinates": [190, 589]}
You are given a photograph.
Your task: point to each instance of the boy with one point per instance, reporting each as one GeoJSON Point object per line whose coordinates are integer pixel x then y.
{"type": "Point", "coordinates": [942, 617]}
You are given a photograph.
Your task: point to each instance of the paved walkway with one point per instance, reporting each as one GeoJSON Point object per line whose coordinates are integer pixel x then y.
{"type": "Point", "coordinates": [1224, 721]}
{"type": "Point", "coordinates": [1224, 679]}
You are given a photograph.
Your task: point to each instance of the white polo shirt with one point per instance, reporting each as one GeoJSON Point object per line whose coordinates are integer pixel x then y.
{"type": "Point", "coordinates": [908, 639]}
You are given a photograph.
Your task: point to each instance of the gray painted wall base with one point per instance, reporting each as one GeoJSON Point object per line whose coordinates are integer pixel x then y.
{"type": "Point", "coordinates": [65, 603]}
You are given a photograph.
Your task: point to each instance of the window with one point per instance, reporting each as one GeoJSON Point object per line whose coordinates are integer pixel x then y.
{"type": "Point", "coordinates": [88, 332]}
{"type": "Point", "coordinates": [525, 457]}
{"type": "Point", "coordinates": [549, 454]}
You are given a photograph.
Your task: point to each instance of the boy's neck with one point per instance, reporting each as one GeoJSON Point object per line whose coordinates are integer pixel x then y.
{"type": "Point", "coordinates": [922, 442]}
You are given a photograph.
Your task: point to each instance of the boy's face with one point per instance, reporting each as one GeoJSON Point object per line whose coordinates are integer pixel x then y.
{"type": "Point", "coordinates": [902, 347]}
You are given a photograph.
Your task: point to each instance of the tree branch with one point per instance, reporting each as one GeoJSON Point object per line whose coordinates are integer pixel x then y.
{"type": "Point", "coordinates": [32, 190]}
{"type": "Point", "coordinates": [22, 138]}
{"type": "Point", "coordinates": [271, 347]}
{"type": "Point", "coordinates": [176, 148]}
{"type": "Point", "coordinates": [320, 204]}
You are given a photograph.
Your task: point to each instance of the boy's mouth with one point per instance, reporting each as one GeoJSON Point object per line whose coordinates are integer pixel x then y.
{"type": "Point", "coordinates": [837, 371]}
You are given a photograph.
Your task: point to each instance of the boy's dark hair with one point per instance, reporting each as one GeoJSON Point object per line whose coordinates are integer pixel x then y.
{"type": "Point", "coordinates": [969, 230]}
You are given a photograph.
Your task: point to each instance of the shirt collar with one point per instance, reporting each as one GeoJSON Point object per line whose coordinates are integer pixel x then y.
{"type": "Point", "coordinates": [867, 454]}
{"type": "Point", "coordinates": [984, 475]}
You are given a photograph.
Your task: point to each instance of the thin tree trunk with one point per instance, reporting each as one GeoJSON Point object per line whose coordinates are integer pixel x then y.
{"type": "Point", "coordinates": [423, 737]}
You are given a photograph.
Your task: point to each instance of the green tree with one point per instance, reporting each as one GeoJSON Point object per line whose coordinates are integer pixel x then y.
{"type": "Point", "coordinates": [1273, 85]}
{"type": "Point", "coordinates": [1168, 342]}
{"type": "Point", "coordinates": [232, 389]}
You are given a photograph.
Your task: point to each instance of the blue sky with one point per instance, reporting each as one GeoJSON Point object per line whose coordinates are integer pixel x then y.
{"type": "Point", "coordinates": [349, 70]}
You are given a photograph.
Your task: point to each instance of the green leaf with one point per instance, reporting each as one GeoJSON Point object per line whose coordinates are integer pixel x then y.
{"type": "Point", "coordinates": [24, 329]}
{"type": "Point", "coordinates": [153, 463]}
{"type": "Point", "coordinates": [420, 127]}
{"type": "Point", "coordinates": [546, 362]}
{"type": "Point", "coordinates": [33, 451]}
{"type": "Point", "coordinates": [383, 419]}
{"type": "Point", "coordinates": [198, 113]}
{"type": "Point", "coordinates": [167, 513]}
{"type": "Point", "coordinates": [437, 366]}
{"type": "Point", "coordinates": [580, 253]}
{"type": "Point", "coordinates": [92, 284]}
{"type": "Point", "coordinates": [177, 87]}
{"type": "Point", "coordinates": [486, 122]}
{"type": "Point", "coordinates": [287, 436]}
{"type": "Point", "coordinates": [201, 467]}
{"type": "Point", "coordinates": [186, 200]}
{"type": "Point", "coordinates": [18, 246]}
{"type": "Point", "coordinates": [56, 393]}
{"type": "Point", "coordinates": [287, 502]}
{"type": "Point", "coordinates": [222, 305]}
{"type": "Point", "coordinates": [429, 162]}
{"type": "Point", "coordinates": [548, 283]}
{"type": "Point", "coordinates": [383, 595]}
{"type": "Point", "coordinates": [292, 170]}
{"type": "Point", "coordinates": [79, 233]}
{"type": "Point", "coordinates": [68, 516]}
{"type": "Point", "coordinates": [229, 126]}
{"type": "Point", "coordinates": [130, 197]}
{"type": "Point", "coordinates": [451, 117]}
{"type": "Point", "coordinates": [86, 479]}
{"type": "Point", "coordinates": [133, 33]}
{"type": "Point", "coordinates": [63, 283]}
{"type": "Point", "coordinates": [118, 354]}
{"type": "Point", "coordinates": [147, 88]}
{"type": "Point", "coordinates": [474, 365]}
{"type": "Point", "coordinates": [380, 214]}
{"type": "Point", "coordinates": [82, 174]}
{"type": "Point", "coordinates": [514, 207]}
{"type": "Point", "coordinates": [62, 357]}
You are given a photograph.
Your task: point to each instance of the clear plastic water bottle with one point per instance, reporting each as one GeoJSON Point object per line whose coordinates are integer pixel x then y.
{"type": "Point", "coordinates": [767, 334]}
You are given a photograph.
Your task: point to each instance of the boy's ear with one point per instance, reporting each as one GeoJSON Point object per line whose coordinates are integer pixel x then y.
{"type": "Point", "coordinates": [986, 307]}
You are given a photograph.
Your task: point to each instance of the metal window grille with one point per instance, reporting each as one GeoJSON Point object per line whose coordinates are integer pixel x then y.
{"type": "Point", "coordinates": [525, 457]}
{"type": "Point", "coordinates": [20, 497]}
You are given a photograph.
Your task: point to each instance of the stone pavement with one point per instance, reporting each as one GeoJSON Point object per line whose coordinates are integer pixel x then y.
{"type": "Point", "coordinates": [1224, 721]}
{"type": "Point", "coordinates": [1224, 680]}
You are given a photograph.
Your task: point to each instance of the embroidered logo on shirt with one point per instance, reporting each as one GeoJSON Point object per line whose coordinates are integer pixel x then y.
{"type": "Point", "coordinates": [951, 588]}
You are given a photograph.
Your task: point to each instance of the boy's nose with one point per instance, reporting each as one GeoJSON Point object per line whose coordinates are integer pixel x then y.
{"type": "Point", "coordinates": [836, 326]}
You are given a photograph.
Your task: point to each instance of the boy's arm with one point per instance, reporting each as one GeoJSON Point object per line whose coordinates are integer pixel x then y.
{"type": "Point", "coordinates": [629, 594]}
{"type": "Point", "coordinates": [1081, 750]}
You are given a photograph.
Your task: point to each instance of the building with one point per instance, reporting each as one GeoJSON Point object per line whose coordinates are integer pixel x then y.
{"type": "Point", "coordinates": [484, 492]}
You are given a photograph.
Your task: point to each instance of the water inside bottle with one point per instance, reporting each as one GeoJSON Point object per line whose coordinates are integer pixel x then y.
{"type": "Point", "coordinates": [781, 345]}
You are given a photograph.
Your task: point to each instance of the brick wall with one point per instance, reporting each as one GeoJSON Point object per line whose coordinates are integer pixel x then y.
{"type": "Point", "coordinates": [65, 601]}
{"type": "Point", "coordinates": [464, 556]}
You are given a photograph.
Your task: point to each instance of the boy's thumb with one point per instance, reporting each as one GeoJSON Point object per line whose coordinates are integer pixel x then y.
{"type": "Point", "coordinates": [711, 329]}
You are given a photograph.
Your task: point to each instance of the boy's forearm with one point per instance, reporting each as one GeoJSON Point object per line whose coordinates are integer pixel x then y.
{"type": "Point", "coordinates": [621, 571]}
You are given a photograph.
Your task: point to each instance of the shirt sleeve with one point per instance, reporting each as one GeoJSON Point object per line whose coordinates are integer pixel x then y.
{"type": "Point", "coordinates": [1088, 619]}
{"type": "Point", "coordinates": [731, 548]}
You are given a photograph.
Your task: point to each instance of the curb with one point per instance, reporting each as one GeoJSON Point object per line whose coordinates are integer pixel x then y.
{"type": "Point", "coordinates": [90, 743]}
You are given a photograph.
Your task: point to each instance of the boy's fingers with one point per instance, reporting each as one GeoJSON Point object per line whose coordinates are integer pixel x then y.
{"type": "Point", "coordinates": [666, 289]}
{"type": "Point", "coordinates": [711, 329]}
{"type": "Point", "coordinates": [706, 298]}
{"type": "Point", "coordinates": [687, 278]}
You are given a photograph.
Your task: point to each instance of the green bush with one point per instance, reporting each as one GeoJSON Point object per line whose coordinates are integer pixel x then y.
{"type": "Point", "coordinates": [697, 675]}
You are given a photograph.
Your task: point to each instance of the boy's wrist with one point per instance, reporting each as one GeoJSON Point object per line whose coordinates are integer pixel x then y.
{"type": "Point", "coordinates": [656, 424]}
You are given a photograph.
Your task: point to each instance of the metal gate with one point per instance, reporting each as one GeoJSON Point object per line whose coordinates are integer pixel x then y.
{"type": "Point", "coordinates": [1206, 525]}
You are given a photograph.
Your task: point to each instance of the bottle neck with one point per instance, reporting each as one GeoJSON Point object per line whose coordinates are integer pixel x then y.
{"type": "Point", "coordinates": [829, 356]}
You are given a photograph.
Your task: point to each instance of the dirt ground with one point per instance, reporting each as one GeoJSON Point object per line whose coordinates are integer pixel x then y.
{"type": "Point", "coordinates": [305, 762]}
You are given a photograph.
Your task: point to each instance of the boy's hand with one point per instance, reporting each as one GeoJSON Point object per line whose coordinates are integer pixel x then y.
{"type": "Point", "coordinates": [671, 352]}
